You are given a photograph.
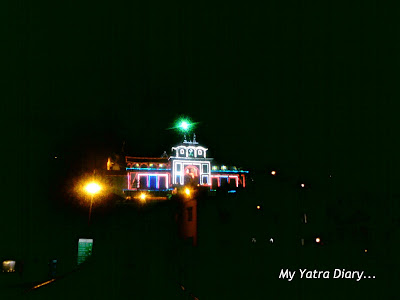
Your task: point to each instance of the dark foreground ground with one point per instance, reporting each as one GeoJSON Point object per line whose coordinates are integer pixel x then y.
{"type": "Point", "coordinates": [138, 254]}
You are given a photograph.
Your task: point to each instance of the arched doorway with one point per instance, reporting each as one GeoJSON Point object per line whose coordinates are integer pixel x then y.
{"type": "Point", "coordinates": [192, 175]}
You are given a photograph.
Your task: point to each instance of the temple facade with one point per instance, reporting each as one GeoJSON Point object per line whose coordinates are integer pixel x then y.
{"type": "Point", "coordinates": [188, 164]}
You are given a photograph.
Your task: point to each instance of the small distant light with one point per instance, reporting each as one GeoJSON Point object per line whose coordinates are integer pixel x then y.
{"type": "Point", "coordinates": [365, 250]}
{"type": "Point", "coordinates": [55, 156]}
{"type": "Point", "coordinates": [258, 206]}
{"type": "Point", "coordinates": [318, 240]}
{"type": "Point", "coordinates": [253, 240]}
{"type": "Point", "coordinates": [273, 173]}
{"type": "Point", "coordinates": [302, 185]}
{"type": "Point", "coordinates": [271, 240]}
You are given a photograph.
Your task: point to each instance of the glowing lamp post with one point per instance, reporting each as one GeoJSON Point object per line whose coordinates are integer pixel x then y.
{"type": "Point", "coordinates": [142, 197]}
{"type": "Point", "coordinates": [92, 188]}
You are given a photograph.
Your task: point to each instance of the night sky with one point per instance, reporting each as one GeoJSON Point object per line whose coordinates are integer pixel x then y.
{"type": "Point", "coordinates": [305, 88]}
{"type": "Point", "coordinates": [304, 85]}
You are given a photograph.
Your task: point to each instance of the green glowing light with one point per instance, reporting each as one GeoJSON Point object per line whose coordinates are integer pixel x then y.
{"type": "Point", "coordinates": [184, 124]}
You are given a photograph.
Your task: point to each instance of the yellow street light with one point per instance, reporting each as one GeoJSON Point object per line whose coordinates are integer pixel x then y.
{"type": "Point", "coordinates": [187, 192]}
{"type": "Point", "coordinates": [92, 188]}
{"type": "Point", "coordinates": [273, 173]}
{"type": "Point", "coordinates": [142, 197]}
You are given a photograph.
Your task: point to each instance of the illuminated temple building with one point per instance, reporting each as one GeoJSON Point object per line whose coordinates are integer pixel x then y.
{"type": "Point", "coordinates": [188, 164]}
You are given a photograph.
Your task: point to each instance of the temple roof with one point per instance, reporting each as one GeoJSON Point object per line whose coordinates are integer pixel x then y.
{"type": "Point", "coordinates": [132, 159]}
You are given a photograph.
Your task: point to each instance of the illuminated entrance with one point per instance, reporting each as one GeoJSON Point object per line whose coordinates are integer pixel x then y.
{"type": "Point", "coordinates": [192, 174]}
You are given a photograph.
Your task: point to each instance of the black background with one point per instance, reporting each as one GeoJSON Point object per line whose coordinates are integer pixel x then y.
{"type": "Point", "coordinates": [307, 88]}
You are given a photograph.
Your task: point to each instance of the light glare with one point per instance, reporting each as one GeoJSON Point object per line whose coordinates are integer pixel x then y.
{"type": "Point", "coordinates": [184, 125]}
{"type": "Point", "coordinates": [93, 188]}
{"type": "Point", "coordinates": [187, 192]}
{"type": "Point", "coordinates": [142, 197]}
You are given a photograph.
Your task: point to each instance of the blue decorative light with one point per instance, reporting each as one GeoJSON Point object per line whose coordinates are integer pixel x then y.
{"type": "Point", "coordinates": [232, 191]}
{"type": "Point", "coordinates": [147, 169]}
{"type": "Point", "coordinates": [229, 171]}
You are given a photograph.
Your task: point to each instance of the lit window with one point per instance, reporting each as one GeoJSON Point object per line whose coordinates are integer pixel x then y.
{"type": "Point", "coordinates": [182, 151]}
{"type": "Point", "coordinates": [223, 168]}
{"type": "Point", "coordinates": [199, 152]}
{"type": "Point", "coordinates": [215, 168]}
